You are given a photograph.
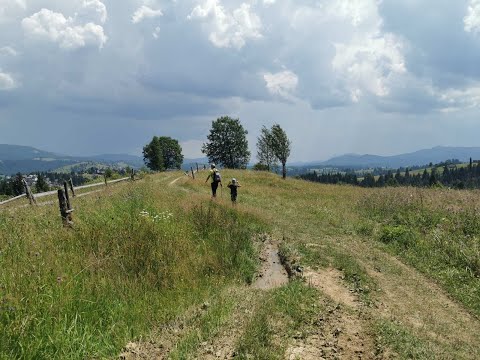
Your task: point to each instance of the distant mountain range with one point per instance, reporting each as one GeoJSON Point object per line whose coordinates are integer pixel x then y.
{"type": "Point", "coordinates": [26, 159]}
{"type": "Point", "coordinates": [417, 158]}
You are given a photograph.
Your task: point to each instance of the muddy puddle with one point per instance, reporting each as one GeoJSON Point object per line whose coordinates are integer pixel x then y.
{"type": "Point", "coordinates": [273, 273]}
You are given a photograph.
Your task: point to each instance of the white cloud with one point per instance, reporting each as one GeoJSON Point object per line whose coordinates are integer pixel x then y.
{"type": "Point", "coordinates": [282, 83]}
{"type": "Point", "coordinates": [55, 27]}
{"type": "Point", "coordinates": [7, 82]}
{"type": "Point", "coordinates": [228, 29]}
{"type": "Point", "coordinates": [367, 64]}
{"type": "Point", "coordinates": [93, 9]}
{"type": "Point", "coordinates": [472, 20]}
{"type": "Point", "coordinates": [359, 12]}
{"type": "Point", "coordinates": [458, 99]}
{"type": "Point", "coordinates": [8, 51]}
{"type": "Point", "coordinates": [145, 12]}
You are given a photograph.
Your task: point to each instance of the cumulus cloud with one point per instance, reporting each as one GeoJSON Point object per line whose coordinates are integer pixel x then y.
{"type": "Point", "coordinates": [145, 12]}
{"type": "Point", "coordinates": [282, 83]}
{"type": "Point", "coordinates": [93, 9]}
{"type": "Point", "coordinates": [368, 64]}
{"type": "Point", "coordinates": [55, 27]}
{"type": "Point", "coordinates": [366, 60]}
{"type": "Point", "coordinates": [228, 28]}
{"type": "Point", "coordinates": [7, 82]}
{"type": "Point", "coordinates": [472, 20]}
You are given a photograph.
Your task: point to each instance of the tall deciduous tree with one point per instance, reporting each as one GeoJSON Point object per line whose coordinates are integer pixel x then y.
{"type": "Point", "coordinates": [265, 153]}
{"type": "Point", "coordinates": [171, 153]}
{"type": "Point", "coordinates": [163, 153]}
{"type": "Point", "coordinates": [152, 155]}
{"type": "Point", "coordinates": [281, 146]}
{"type": "Point", "coordinates": [227, 143]}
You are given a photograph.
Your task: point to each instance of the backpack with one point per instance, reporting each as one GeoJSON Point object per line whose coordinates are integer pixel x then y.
{"type": "Point", "coordinates": [217, 177]}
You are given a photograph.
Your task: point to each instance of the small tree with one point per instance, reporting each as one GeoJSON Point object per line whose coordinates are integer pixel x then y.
{"type": "Point", "coordinates": [281, 146]}
{"type": "Point", "coordinates": [265, 153]}
{"type": "Point", "coordinates": [108, 173]}
{"type": "Point", "coordinates": [41, 184]}
{"type": "Point", "coordinates": [227, 143]}
{"type": "Point", "coordinates": [17, 185]}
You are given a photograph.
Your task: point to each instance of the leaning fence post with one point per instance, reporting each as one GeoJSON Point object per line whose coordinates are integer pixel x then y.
{"type": "Point", "coordinates": [70, 183]}
{"type": "Point", "coordinates": [67, 197]}
{"type": "Point", "coordinates": [193, 173]}
{"type": "Point", "coordinates": [64, 211]}
{"type": "Point", "coordinates": [29, 194]}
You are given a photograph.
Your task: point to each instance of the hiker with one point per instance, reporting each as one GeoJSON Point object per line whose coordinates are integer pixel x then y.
{"type": "Point", "coordinates": [233, 186]}
{"type": "Point", "coordinates": [216, 179]}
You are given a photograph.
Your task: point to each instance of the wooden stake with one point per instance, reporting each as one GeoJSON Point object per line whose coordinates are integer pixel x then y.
{"type": "Point", "coordinates": [64, 211]}
{"type": "Point", "coordinates": [29, 194]}
{"type": "Point", "coordinates": [72, 189]}
{"type": "Point", "coordinates": [193, 173]}
{"type": "Point", "coordinates": [105, 177]}
{"type": "Point", "coordinates": [197, 167]}
{"type": "Point", "coordinates": [67, 197]}
{"type": "Point", "coordinates": [132, 176]}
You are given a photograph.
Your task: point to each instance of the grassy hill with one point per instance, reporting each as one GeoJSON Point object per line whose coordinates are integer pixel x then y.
{"type": "Point", "coordinates": [154, 269]}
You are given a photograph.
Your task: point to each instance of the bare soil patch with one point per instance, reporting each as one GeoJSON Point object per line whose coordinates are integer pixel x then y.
{"type": "Point", "coordinates": [343, 332]}
{"type": "Point", "coordinates": [329, 281]}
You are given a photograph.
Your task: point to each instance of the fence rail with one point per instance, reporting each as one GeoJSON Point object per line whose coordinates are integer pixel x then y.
{"type": "Point", "coordinates": [54, 192]}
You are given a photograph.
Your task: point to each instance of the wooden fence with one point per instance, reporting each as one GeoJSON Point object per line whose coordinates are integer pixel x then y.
{"type": "Point", "coordinates": [64, 202]}
{"type": "Point", "coordinates": [54, 192]}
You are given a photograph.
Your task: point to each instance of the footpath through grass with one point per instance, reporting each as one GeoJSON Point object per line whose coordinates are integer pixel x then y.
{"type": "Point", "coordinates": [139, 255]}
{"type": "Point", "coordinates": [142, 254]}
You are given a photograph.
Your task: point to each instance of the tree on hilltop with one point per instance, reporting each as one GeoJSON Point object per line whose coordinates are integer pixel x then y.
{"type": "Point", "coordinates": [163, 153]}
{"type": "Point", "coordinates": [281, 146]}
{"type": "Point", "coordinates": [265, 151]}
{"type": "Point", "coordinates": [227, 143]}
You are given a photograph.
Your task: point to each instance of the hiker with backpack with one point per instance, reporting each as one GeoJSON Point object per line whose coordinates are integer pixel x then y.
{"type": "Point", "coordinates": [216, 179]}
{"type": "Point", "coordinates": [233, 186]}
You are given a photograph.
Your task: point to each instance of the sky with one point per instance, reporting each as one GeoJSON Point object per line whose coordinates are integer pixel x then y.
{"type": "Point", "coordinates": [84, 77]}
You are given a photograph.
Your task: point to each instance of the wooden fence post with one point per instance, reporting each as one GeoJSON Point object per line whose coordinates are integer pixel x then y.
{"type": "Point", "coordinates": [64, 211]}
{"type": "Point", "coordinates": [105, 177]}
{"type": "Point", "coordinates": [29, 194]}
{"type": "Point", "coordinates": [193, 173]}
{"type": "Point", "coordinates": [70, 183]}
{"type": "Point", "coordinates": [132, 176]}
{"type": "Point", "coordinates": [67, 197]}
{"type": "Point", "coordinates": [197, 167]}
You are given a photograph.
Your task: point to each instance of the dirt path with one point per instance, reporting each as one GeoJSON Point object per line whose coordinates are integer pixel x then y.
{"type": "Point", "coordinates": [223, 345]}
{"type": "Point", "coordinates": [343, 332]}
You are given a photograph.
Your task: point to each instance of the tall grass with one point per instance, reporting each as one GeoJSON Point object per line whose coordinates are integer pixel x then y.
{"type": "Point", "coordinates": [136, 257]}
{"type": "Point", "coordinates": [437, 231]}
